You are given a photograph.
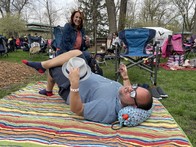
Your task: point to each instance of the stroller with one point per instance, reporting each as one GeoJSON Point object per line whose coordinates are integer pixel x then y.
{"type": "Point", "coordinates": [3, 47]}
{"type": "Point", "coordinates": [173, 50]}
{"type": "Point", "coordinates": [11, 44]}
{"type": "Point", "coordinates": [35, 42]}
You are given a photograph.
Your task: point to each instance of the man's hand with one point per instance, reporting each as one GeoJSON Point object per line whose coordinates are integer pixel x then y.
{"type": "Point", "coordinates": [74, 77]}
{"type": "Point", "coordinates": [124, 75]}
{"type": "Point", "coordinates": [123, 71]}
{"type": "Point", "coordinates": [76, 104]}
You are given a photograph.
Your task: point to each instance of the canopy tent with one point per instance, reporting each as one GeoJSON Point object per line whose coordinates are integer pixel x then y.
{"type": "Point", "coordinates": [161, 34]}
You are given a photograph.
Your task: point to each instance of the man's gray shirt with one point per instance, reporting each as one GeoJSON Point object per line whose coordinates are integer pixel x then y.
{"type": "Point", "coordinates": [101, 99]}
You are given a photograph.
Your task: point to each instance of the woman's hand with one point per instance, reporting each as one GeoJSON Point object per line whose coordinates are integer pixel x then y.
{"type": "Point", "coordinates": [57, 49]}
{"type": "Point", "coordinates": [87, 41]}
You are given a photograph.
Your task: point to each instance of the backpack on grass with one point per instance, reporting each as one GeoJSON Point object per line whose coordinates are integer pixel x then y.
{"type": "Point", "coordinates": [95, 68]}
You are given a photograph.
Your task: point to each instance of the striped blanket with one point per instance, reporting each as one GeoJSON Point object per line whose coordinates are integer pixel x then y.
{"type": "Point", "coordinates": [29, 119]}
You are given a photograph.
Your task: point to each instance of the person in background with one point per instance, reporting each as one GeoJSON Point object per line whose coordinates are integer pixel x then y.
{"type": "Point", "coordinates": [114, 41]}
{"type": "Point", "coordinates": [73, 38]}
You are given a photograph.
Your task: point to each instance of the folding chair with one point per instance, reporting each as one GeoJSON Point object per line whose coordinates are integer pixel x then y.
{"type": "Point", "coordinates": [100, 50]}
{"type": "Point", "coordinates": [136, 41]}
{"type": "Point", "coordinates": [174, 49]}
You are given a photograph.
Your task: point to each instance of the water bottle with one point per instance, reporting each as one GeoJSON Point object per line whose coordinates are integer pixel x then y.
{"type": "Point", "coordinates": [50, 53]}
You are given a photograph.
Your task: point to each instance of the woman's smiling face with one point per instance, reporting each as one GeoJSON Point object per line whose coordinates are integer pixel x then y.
{"type": "Point", "coordinates": [77, 19]}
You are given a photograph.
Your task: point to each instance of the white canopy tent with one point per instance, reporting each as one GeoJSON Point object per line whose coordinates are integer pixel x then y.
{"type": "Point", "coordinates": [161, 34]}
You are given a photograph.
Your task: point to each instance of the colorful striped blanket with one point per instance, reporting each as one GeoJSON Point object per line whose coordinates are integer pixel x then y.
{"type": "Point", "coordinates": [29, 119]}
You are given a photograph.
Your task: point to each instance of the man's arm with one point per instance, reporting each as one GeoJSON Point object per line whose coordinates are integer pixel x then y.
{"type": "Point", "coordinates": [124, 75]}
{"type": "Point", "coordinates": [76, 104]}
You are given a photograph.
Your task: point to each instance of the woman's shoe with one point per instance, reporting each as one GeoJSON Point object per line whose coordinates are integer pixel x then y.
{"type": "Point", "coordinates": [45, 92]}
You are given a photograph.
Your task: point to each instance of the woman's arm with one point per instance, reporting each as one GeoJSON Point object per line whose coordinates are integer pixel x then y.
{"type": "Point", "coordinates": [85, 41]}
{"type": "Point", "coordinates": [67, 41]}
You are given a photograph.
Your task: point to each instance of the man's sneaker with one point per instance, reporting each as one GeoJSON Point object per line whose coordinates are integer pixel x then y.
{"type": "Point", "coordinates": [155, 93]}
{"type": "Point", "coordinates": [146, 86]}
{"type": "Point", "coordinates": [45, 92]}
{"type": "Point", "coordinates": [161, 92]}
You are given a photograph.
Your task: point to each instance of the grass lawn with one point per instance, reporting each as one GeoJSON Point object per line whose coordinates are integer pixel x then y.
{"type": "Point", "coordinates": [179, 85]}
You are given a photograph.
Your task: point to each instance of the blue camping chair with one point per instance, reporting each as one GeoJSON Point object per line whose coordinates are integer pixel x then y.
{"type": "Point", "coordinates": [136, 41]}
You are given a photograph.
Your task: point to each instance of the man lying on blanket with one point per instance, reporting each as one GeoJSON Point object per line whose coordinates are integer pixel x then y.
{"type": "Point", "coordinates": [92, 96]}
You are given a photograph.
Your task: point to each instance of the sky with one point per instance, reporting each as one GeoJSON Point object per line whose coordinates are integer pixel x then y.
{"type": "Point", "coordinates": [66, 5]}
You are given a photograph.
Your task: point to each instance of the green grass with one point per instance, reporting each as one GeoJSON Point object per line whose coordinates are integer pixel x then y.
{"type": "Point", "coordinates": [179, 85]}
{"type": "Point", "coordinates": [18, 55]}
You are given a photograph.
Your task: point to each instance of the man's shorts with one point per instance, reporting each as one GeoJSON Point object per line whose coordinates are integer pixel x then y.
{"type": "Point", "coordinates": [62, 81]}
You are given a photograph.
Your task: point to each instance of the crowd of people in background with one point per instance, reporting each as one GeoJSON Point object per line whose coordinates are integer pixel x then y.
{"type": "Point", "coordinates": [25, 42]}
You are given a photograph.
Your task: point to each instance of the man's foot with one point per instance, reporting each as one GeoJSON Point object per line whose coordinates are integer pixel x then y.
{"type": "Point", "coordinates": [45, 92]}
{"type": "Point", "coordinates": [35, 65]}
{"type": "Point", "coordinates": [161, 92]}
{"type": "Point", "coordinates": [155, 93]}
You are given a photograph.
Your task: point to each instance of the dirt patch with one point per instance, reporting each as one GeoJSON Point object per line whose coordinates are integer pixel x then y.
{"type": "Point", "coordinates": [13, 73]}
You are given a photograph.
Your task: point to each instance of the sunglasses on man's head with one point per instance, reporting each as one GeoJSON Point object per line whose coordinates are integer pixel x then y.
{"type": "Point", "coordinates": [133, 93]}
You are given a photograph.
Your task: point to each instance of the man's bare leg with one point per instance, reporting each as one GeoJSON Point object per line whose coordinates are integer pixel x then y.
{"type": "Point", "coordinates": [50, 83]}
{"type": "Point", "coordinates": [49, 87]}
{"type": "Point", "coordinates": [60, 59]}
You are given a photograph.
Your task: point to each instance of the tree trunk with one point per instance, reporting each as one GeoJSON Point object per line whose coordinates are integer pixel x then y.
{"type": "Point", "coordinates": [111, 15]}
{"type": "Point", "coordinates": [122, 16]}
{"type": "Point", "coordinates": [194, 19]}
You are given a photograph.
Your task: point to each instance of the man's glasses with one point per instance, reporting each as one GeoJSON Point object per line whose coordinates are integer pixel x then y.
{"type": "Point", "coordinates": [133, 93]}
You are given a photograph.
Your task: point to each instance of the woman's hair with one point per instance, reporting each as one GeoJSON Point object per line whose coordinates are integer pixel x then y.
{"type": "Point", "coordinates": [82, 18]}
{"type": "Point", "coordinates": [115, 33]}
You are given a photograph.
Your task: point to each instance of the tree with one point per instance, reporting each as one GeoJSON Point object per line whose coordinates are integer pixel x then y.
{"type": "Point", "coordinates": [111, 10]}
{"type": "Point", "coordinates": [102, 16]}
{"type": "Point", "coordinates": [11, 21]}
{"type": "Point", "coordinates": [8, 7]}
{"type": "Point", "coordinates": [96, 20]}
{"type": "Point", "coordinates": [11, 25]}
{"type": "Point", "coordinates": [5, 7]}
{"type": "Point", "coordinates": [194, 19]}
{"type": "Point", "coordinates": [122, 16]}
{"type": "Point", "coordinates": [131, 14]}
{"type": "Point", "coordinates": [153, 12]}
{"type": "Point", "coordinates": [186, 9]}
{"type": "Point", "coordinates": [18, 5]}
{"type": "Point", "coordinates": [51, 14]}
